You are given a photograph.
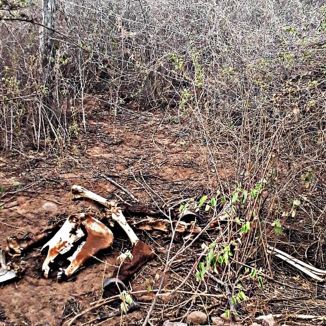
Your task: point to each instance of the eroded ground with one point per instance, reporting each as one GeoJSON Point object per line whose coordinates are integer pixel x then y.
{"type": "Point", "coordinates": [146, 153]}
{"type": "Point", "coordinates": [157, 161]}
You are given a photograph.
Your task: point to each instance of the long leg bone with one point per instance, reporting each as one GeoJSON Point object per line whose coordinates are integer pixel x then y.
{"type": "Point", "coordinates": [117, 216]}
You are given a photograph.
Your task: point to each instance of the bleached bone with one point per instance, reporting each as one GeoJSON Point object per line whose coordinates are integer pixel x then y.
{"type": "Point", "coordinates": [62, 242]}
{"type": "Point", "coordinates": [117, 215]}
{"type": "Point", "coordinates": [98, 237]}
{"type": "Point", "coordinates": [312, 268]}
{"type": "Point", "coordinates": [6, 274]}
{"type": "Point", "coordinates": [307, 269]}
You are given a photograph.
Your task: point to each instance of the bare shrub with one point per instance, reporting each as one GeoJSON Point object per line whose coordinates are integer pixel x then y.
{"type": "Point", "coordinates": [246, 79]}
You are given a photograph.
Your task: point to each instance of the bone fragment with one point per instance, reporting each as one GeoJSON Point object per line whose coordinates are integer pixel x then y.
{"type": "Point", "coordinates": [141, 252]}
{"type": "Point", "coordinates": [6, 274]}
{"type": "Point", "coordinates": [164, 225]}
{"type": "Point", "coordinates": [310, 267]}
{"type": "Point", "coordinates": [309, 270]}
{"type": "Point", "coordinates": [62, 242]}
{"type": "Point", "coordinates": [81, 192]}
{"type": "Point", "coordinates": [97, 237]}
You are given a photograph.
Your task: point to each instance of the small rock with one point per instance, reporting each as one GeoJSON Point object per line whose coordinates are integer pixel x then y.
{"type": "Point", "coordinates": [146, 298]}
{"type": "Point", "coordinates": [50, 207]}
{"type": "Point", "coordinates": [167, 297]}
{"type": "Point", "coordinates": [267, 320]}
{"type": "Point", "coordinates": [197, 318]}
{"type": "Point", "coordinates": [171, 323]}
{"type": "Point", "coordinates": [217, 321]}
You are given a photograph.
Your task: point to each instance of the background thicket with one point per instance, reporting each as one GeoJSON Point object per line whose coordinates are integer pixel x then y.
{"type": "Point", "coordinates": [246, 79]}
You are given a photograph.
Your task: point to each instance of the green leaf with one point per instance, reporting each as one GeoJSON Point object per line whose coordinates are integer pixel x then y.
{"type": "Point", "coordinates": [183, 207]}
{"type": "Point", "coordinates": [244, 196]}
{"type": "Point", "coordinates": [235, 197]}
{"type": "Point", "coordinates": [226, 315]}
{"type": "Point", "coordinates": [245, 228]}
{"type": "Point", "coordinates": [201, 271]}
{"type": "Point", "coordinates": [260, 281]}
{"type": "Point", "coordinates": [202, 201]}
{"type": "Point", "coordinates": [213, 202]}
{"type": "Point", "coordinates": [126, 301]}
{"type": "Point", "coordinates": [277, 227]}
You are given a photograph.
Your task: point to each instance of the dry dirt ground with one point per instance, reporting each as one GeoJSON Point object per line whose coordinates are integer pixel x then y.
{"type": "Point", "coordinates": [146, 153]}
{"type": "Point", "coordinates": [156, 160]}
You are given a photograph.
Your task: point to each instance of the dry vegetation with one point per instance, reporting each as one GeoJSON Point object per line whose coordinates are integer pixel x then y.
{"type": "Point", "coordinates": [243, 81]}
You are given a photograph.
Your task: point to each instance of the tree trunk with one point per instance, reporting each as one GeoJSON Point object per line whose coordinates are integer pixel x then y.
{"type": "Point", "coordinates": [48, 51]}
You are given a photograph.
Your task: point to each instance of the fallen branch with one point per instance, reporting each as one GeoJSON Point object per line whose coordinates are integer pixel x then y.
{"type": "Point", "coordinates": [120, 187]}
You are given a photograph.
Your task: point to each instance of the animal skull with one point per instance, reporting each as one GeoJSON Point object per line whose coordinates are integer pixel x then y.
{"type": "Point", "coordinates": [97, 237]}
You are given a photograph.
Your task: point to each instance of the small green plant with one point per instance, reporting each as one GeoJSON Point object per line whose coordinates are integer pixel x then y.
{"type": "Point", "coordinates": [202, 201]}
{"type": "Point", "coordinates": [277, 225]}
{"type": "Point", "coordinates": [226, 314]}
{"type": "Point", "coordinates": [257, 189]}
{"type": "Point", "coordinates": [177, 61]}
{"type": "Point", "coordinates": [241, 196]}
{"type": "Point", "coordinates": [185, 96]}
{"type": "Point", "coordinates": [224, 257]}
{"type": "Point", "coordinates": [323, 18]}
{"type": "Point", "coordinates": [126, 301]}
{"type": "Point", "coordinates": [212, 203]}
{"type": "Point", "coordinates": [245, 228]}
{"type": "Point", "coordinates": [255, 275]}
{"type": "Point", "coordinates": [239, 297]}
{"type": "Point", "coordinates": [127, 255]}
{"type": "Point", "coordinates": [209, 263]}
{"type": "Point", "coordinates": [183, 207]}
{"type": "Point", "coordinates": [199, 74]}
